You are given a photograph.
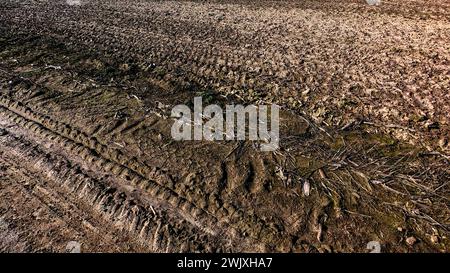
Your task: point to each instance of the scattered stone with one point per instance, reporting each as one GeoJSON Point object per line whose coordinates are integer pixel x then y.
{"type": "Point", "coordinates": [306, 188]}
{"type": "Point", "coordinates": [56, 67]}
{"type": "Point", "coordinates": [411, 240]}
{"type": "Point", "coordinates": [73, 247]}
{"type": "Point", "coordinates": [73, 2]}
{"type": "Point", "coordinates": [373, 2]}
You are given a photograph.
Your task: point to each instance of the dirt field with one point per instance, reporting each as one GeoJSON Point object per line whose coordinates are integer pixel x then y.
{"type": "Point", "coordinates": [86, 154]}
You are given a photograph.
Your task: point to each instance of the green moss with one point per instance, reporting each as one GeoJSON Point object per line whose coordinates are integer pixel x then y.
{"type": "Point", "coordinates": [160, 71]}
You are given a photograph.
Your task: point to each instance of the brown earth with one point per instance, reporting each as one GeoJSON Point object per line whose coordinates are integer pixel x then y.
{"type": "Point", "coordinates": [86, 153]}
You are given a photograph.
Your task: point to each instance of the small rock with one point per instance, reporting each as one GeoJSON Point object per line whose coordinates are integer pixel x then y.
{"type": "Point", "coordinates": [431, 125]}
{"type": "Point", "coordinates": [306, 188]}
{"type": "Point", "coordinates": [325, 249]}
{"type": "Point", "coordinates": [373, 2]}
{"type": "Point", "coordinates": [73, 247]}
{"type": "Point", "coordinates": [434, 239]}
{"type": "Point", "coordinates": [442, 143]}
{"type": "Point", "coordinates": [411, 240]}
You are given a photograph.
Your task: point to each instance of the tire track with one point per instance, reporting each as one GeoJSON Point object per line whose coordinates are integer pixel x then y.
{"type": "Point", "coordinates": [127, 214]}
{"type": "Point", "coordinates": [148, 179]}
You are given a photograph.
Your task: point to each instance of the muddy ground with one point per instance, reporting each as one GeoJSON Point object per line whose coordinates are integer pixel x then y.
{"type": "Point", "coordinates": [86, 153]}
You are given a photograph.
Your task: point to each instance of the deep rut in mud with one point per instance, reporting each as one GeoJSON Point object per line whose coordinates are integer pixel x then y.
{"type": "Point", "coordinates": [86, 152]}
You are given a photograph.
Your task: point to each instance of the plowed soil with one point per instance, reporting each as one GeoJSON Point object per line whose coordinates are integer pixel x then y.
{"type": "Point", "coordinates": [86, 154]}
